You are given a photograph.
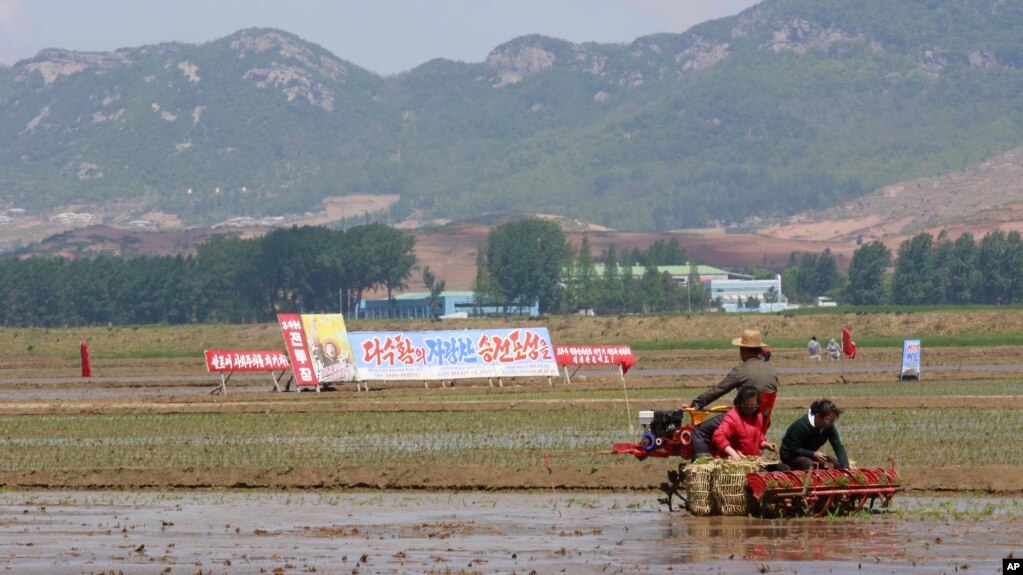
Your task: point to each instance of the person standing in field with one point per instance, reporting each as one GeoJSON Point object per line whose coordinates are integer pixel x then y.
{"type": "Point", "coordinates": [833, 350]}
{"type": "Point", "coordinates": [814, 348]}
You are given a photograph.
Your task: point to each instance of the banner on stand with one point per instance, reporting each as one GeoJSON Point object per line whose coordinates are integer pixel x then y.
{"type": "Point", "coordinates": [432, 355]}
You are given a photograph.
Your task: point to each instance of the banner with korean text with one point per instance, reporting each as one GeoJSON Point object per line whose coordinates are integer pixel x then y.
{"type": "Point", "coordinates": [319, 348]}
{"type": "Point", "coordinates": [910, 360]}
{"type": "Point", "coordinates": [426, 355]}
{"type": "Point", "coordinates": [595, 355]}
{"type": "Point", "coordinates": [236, 360]}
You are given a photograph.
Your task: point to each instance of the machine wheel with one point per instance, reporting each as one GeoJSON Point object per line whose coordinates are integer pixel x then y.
{"type": "Point", "coordinates": [685, 437]}
{"type": "Point", "coordinates": [648, 441]}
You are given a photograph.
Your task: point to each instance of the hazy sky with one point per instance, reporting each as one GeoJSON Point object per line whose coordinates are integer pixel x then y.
{"type": "Point", "coordinates": [385, 36]}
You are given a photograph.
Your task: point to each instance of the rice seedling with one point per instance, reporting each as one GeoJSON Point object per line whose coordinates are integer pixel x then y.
{"type": "Point", "coordinates": [286, 441]}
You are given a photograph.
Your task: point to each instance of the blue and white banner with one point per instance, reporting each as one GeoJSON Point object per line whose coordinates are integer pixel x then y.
{"type": "Point", "coordinates": [425, 355]}
{"type": "Point", "coordinates": [910, 359]}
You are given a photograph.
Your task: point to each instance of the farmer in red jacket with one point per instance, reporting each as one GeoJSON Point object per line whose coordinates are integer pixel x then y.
{"type": "Point", "coordinates": [741, 432]}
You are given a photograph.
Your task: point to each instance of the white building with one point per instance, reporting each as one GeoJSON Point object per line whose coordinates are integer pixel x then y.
{"type": "Point", "coordinates": [734, 293]}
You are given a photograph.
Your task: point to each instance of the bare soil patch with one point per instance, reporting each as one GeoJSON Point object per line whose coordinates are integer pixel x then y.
{"type": "Point", "coordinates": [977, 199]}
{"type": "Point", "coordinates": [337, 208]}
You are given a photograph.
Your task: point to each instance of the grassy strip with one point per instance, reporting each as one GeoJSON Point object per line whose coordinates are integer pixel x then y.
{"type": "Point", "coordinates": [898, 309]}
{"type": "Point", "coordinates": [873, 327]}
{"type": "Point", "coordinates": [503, 438]}
{"type": "Point", "coordinates": [832, 390]}
{"type": "Point", "coordinates": [926, 340]}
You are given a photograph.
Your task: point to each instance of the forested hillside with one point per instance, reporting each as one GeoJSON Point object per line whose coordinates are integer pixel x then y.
{"type": "Point", "coordinates": [791, 105]}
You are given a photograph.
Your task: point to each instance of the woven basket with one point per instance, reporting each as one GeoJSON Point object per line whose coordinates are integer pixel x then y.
{"type": "Point", "coordinates": [698, 487]}
{"type": "Point", "coordinates": [728, 485]}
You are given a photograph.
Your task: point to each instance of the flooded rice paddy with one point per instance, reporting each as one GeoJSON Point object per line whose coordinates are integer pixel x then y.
{"type": "Point", "coordinates": [557, 533]}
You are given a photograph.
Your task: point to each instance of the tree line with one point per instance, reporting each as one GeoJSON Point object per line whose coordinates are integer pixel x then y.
{"type": "Point", "coordinates": [228, 279]}
{"type": "Point", "coordinates": [317, 269]}
{"type": "Point", "coordinates": [925, 270]}
{"type": "Point", "coordinates": [530, 261]}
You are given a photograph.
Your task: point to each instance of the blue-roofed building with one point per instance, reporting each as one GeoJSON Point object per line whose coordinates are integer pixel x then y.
{"type": "Point", "coordinates": [416, 305]}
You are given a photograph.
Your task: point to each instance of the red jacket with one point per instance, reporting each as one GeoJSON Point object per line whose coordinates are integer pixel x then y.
{"type": "Point", "coordinates": [743, 433]}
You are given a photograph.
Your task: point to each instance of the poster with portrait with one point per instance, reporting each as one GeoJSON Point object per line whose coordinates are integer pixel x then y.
{"type": "Point", "coordinates": [329, 348]}
{"type": "Point", "coordinates": [319, 348]}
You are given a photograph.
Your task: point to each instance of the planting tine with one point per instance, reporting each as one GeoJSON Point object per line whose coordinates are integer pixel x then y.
{"type": "Point", "coordinates": [666, 488]}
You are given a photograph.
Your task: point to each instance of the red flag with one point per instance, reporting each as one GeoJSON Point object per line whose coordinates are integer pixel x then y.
{"type": "Point", "coordinates": [86, 365]}
{"type": "Point", "coordinates": [848, 345]}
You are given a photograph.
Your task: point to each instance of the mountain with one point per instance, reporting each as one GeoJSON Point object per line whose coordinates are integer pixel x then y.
{"type": "Point", "coordinates": [790, 106]}
{"type": "Point", "coordinates": [977, 199]}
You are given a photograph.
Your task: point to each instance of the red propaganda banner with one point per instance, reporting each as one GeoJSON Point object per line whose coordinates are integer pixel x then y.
{"type": "Point", "coordinates": [221, 361]}
{"type": "Point", "coordinates": [294, 340]}
{"type": "Point", "coordinates": [595, 355]}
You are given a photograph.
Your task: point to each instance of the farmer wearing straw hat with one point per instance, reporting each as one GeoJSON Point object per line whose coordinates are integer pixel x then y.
{"type": "Point", "coordinates": [752, 372]}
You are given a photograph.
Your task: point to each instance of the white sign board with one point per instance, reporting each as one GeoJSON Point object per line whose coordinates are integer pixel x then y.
{"type": "Point", "coordinates": [910, 360]}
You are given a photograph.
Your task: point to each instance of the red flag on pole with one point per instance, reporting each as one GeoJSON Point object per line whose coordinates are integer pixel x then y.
{"type": "Point", "coordinates": [86, 366]}
{"type": "Point", "coordinates": [848, 345]}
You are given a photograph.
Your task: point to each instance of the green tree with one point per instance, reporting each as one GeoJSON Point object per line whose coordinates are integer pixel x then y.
{"type": "Point", "coordinates": [696, 291]}
{"type": "Point", "coordinates": [960, 269]}
{"type": "Point", "coordinates": [293, 272]}
{"type": "Point", "coordinates": [653, 289]}
{"type": "Point", "coordinates": [941, 262]}
{"type": "Point", "coordinates": [990, 283]}
{"type": "Point", "coordinates": [585, 280]}
{"type": "Point", "coordinates": [612, 296]}
{"type": "Point", "coordinates": [866, 273]}
{"type": "Point", "coordinates": [395, 258]}
{"type": "Point", "coordinates": [632, 291]}
{"type": "Point", "coordinates": [814, 275]}
{"type": "Point", "coordinates": [661, 253]}
{"type": "Point", "coordinates": [485, 291]}
{"type": "Point", "coordinates": [913, 280]}
{"type": "Point", "coordinates": [526, 259]}
{"type": "Point", "coordinates": [674, 295]}
{"type": "Point", "coordinates": [435, 287]}
{"type": "Point", "coordinates": [1012, 267]}
{"type": "Point", "coordinates": [227, 267]}
{"type": "Point", "coordinates": [355, 258]}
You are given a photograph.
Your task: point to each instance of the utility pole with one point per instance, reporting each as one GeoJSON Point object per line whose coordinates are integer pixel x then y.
{"type": "Point", "coordinates": [689, 289]}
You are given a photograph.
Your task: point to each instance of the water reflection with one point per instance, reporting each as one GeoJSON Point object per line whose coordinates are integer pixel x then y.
{"type": "Point", "coordinates": [697, 539]}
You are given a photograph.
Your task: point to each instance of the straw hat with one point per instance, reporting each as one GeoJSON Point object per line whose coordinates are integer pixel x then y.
{"type": "Point", "coordinates": [750, 338]}
{"type": "Point", "coordinates": [331, 348]}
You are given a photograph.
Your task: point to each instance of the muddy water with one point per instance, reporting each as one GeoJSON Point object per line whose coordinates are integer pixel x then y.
{"type": "Point", "coordinates": [397, 532]}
